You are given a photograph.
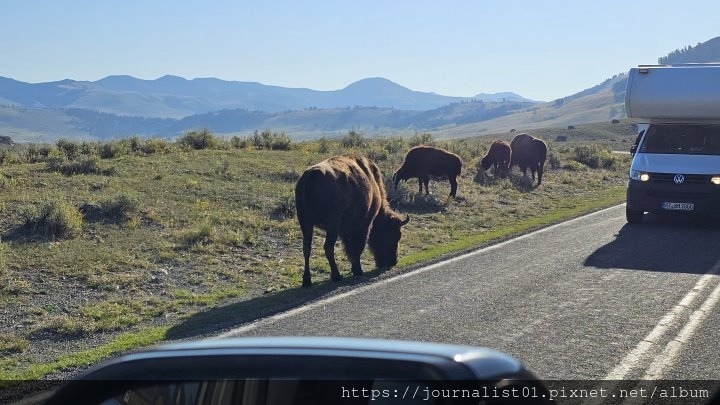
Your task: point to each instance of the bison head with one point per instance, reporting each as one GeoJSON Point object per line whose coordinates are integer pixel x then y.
{"type": "Point", "coordinates": [385, 237]}
{"type": "Point", "coordinates": [399, 176]}
{"type": "Point", "coordinates": [485, 162]}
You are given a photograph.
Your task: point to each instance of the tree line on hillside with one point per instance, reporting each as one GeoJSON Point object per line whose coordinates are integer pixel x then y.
{"type": "Point", "coordinates": [102, 125]}
{"type": "Point", "coordinates": [705, 52]}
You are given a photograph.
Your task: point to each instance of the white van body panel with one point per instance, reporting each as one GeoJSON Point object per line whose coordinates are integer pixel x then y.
{"type": "Point", "coordinates": [678, 164]}
{"type": "Point", "coordinates": [674, 94]}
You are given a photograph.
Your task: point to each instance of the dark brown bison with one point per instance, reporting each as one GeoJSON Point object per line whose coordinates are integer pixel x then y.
{"type": "Point", "coordinates": [345, 196]}
{"type": "Point", "coordinates": [529, 152]}
{"type": "Point", "coordinates": [498, 156]}
{"type": "Point", "coordinates": [425, 161]}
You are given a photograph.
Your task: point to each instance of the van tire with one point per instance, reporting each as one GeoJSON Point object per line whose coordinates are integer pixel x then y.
{"type": "Point", "coordinates": [634, 216]}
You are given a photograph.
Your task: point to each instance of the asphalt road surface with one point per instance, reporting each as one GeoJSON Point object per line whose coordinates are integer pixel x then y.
{"type": "Point", "coordinates": [592, 298]}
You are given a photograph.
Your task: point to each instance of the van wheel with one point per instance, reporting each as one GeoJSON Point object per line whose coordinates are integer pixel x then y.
{"type": "Point", "coordinates": [634, 216]}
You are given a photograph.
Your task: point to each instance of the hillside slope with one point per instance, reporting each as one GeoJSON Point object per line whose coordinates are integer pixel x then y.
{"type": "Point", "coordinates": [603, 102]}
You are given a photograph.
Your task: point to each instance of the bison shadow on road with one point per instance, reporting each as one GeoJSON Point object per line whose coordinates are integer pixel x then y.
{"type": "Point", "coordinates": [224, 318]}
{"type": "Point", "coordinates": [663, 244]}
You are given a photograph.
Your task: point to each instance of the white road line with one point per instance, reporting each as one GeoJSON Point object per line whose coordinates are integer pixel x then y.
{"type": "Point", "coordinates": [639, 354]}
{"type": "Point", "coordinates": [268, 320]}
{"type": "Point", "coordinates": [668, 356]}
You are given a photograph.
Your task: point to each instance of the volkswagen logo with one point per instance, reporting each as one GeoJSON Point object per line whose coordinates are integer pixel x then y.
{"type": "Point", "coordinates": [679, 179]}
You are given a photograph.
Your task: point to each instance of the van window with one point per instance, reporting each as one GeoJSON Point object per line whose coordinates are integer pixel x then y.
{"type": "Point", "coordinates": [682, 139]}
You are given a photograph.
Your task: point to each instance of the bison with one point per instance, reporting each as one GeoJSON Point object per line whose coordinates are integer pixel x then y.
{"type": "Point", "coordinates": [528, 152]}
{"type": "Point", "coordinates": [498, 156]}
{"type": "Point", "coordinates": [425, 161]}
{"type": "Point", "coordinates": [345, 196]}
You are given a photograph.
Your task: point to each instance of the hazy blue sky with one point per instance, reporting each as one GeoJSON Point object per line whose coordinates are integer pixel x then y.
{"type": "Point", "coordinates": [539, 49]}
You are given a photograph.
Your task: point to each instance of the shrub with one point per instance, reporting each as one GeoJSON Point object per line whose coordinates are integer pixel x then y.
{"type": "Point", "coordinates": [353, 140]}
{"type": "Point", "coordinates": [421, 139]}
{"type": "Point", "coordinates": [574, 166]}
{"type": "Point", "coordinates": [202, 139]}
{"type": "Point", "coordinates": [70, 149]}
{"type": "Point", "coordinates": [84, 165]}
{"type": "Point", "coordinates": [280, 142]}
{"type": "Point", "coordinates": [119, 207]}
{"type": "Point", "coordinates": [203, 235]}
{"type": "Point", "coordinates": [595, 157]}
{"type": "Point", "coordinates": [55, 159]}
{"type": "Point", "coordinates": [377, 153]}
{"type": "Point", "coordinates": [134, 143]}
{"type": "Point", "coordinates": [394, 145]}
{"type": "Point", "coordinates": [32, 153]}
{"type": "Point", "coordinates": [239, 143]}
{"type": "Point", "coordinates": [270, 140]}
{"type": "Point", "coordinates": [154, 146]}
{"type": "Point", "coordinates": [6, 181]}
{"type": "Point", "coordinates": [114, 149]}
{"type": "Point", "coordinates": [553, 160]}
{"type": "Point", "coordinates": [88, 149]}
{"type": "Point", "coordinates": [323, 145]}
{"type": "Point", "coordinates": [224, 170]}
{"type": "Point", "coordinates": [54, 218]}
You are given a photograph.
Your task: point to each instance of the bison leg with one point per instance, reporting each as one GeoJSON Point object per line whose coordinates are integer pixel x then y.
{"type": "Point", "coordinates": [354, 246]}
{"type": "Point", "coordinates": [453, 185]}
{"type": "Point", "coordinates": [426, 181]}
{"type": "Point", "coordinates": [307, 246]}
{"type": "Point", "coordinates": [420, 185]}
{"type": "Point", "coordinates": [330, 239]}
{"type": "Point", "coordinates": [540, 172]}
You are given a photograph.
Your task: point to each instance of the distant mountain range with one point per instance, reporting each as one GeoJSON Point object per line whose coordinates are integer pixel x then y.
{"type": "Point", "coordinates": [175, 97]}
{"type": "Point", "coordinates": [120, 106]}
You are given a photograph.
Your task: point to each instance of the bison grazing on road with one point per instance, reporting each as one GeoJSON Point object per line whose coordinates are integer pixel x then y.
{"type": "Point", "coordinates": [529, 152]}
{"type": "Point", "coordinates": [425, 161]}
{"type": "Point", "coordinates": [498, 156]}
{"type": "Point", "coordinates": [345, 196]}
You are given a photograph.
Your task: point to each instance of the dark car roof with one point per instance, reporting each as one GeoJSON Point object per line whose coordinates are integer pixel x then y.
{"type": "Point", "coordinates": [484, 362]}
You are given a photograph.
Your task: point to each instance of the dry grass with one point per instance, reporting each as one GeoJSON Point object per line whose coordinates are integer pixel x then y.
{"type": "Point", "coordinates": [193, 230]}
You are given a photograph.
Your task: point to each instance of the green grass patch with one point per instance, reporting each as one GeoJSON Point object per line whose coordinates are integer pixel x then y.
{"type": "Point", "coordinates": [613, 197]}
{"type": "Point", "coordinates": [121, 343]}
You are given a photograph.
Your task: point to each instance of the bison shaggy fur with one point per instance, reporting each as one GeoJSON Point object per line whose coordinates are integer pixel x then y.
{"type": "Point", "coordinates": [345, 196]}
{"type": "Point", "coordinates": [529, 152]}
{"type": "Point", "coordinates": [498, 156]}
{"type": "Point", "coordinates": [421, 162]}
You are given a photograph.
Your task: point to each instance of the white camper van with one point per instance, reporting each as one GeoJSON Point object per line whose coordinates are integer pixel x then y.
{"type": "Point", "coordinates": [676, 157]}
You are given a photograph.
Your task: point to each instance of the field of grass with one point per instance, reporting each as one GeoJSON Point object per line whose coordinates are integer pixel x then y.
{"type": "Point", "coordinates": [107, 247]}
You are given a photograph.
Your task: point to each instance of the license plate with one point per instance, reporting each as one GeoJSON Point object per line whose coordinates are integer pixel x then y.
{"type": "Point", "coordinates": [675, 206]}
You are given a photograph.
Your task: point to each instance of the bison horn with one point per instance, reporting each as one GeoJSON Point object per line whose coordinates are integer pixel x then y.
{"type": "Point", "coordinates": [406, 220]}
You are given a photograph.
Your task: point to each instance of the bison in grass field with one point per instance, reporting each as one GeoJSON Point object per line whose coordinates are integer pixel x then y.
{"type": "Point", "coordinates": [345, 196]}
{"type": "Point", "coordinates": [529, 152]}
{"type": "Point", "coordinates": [425, 161]}
{"type": "Point", "coordinates": [498, 156]}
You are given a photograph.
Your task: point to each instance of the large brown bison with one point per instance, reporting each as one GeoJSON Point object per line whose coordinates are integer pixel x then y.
{"type": "Point", "coordinates": [425, 161]}
{"type": "Point", "coordinates": [345, 196]}
{"type": "Point", "coordinates": [529, 152]}
{"type": "Point", "coordinates": [498, 156]}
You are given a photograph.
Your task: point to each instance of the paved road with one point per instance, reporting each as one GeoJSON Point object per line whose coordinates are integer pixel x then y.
{"type": "Point", "coordinates": [592, 298]}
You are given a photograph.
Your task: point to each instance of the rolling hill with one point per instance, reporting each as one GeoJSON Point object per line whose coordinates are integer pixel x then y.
{"type": "Point", "coordinates": [120, 106]}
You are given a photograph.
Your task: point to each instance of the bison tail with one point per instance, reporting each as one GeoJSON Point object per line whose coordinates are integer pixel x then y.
{"type": "Point", "coordinates": [304, 190]}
